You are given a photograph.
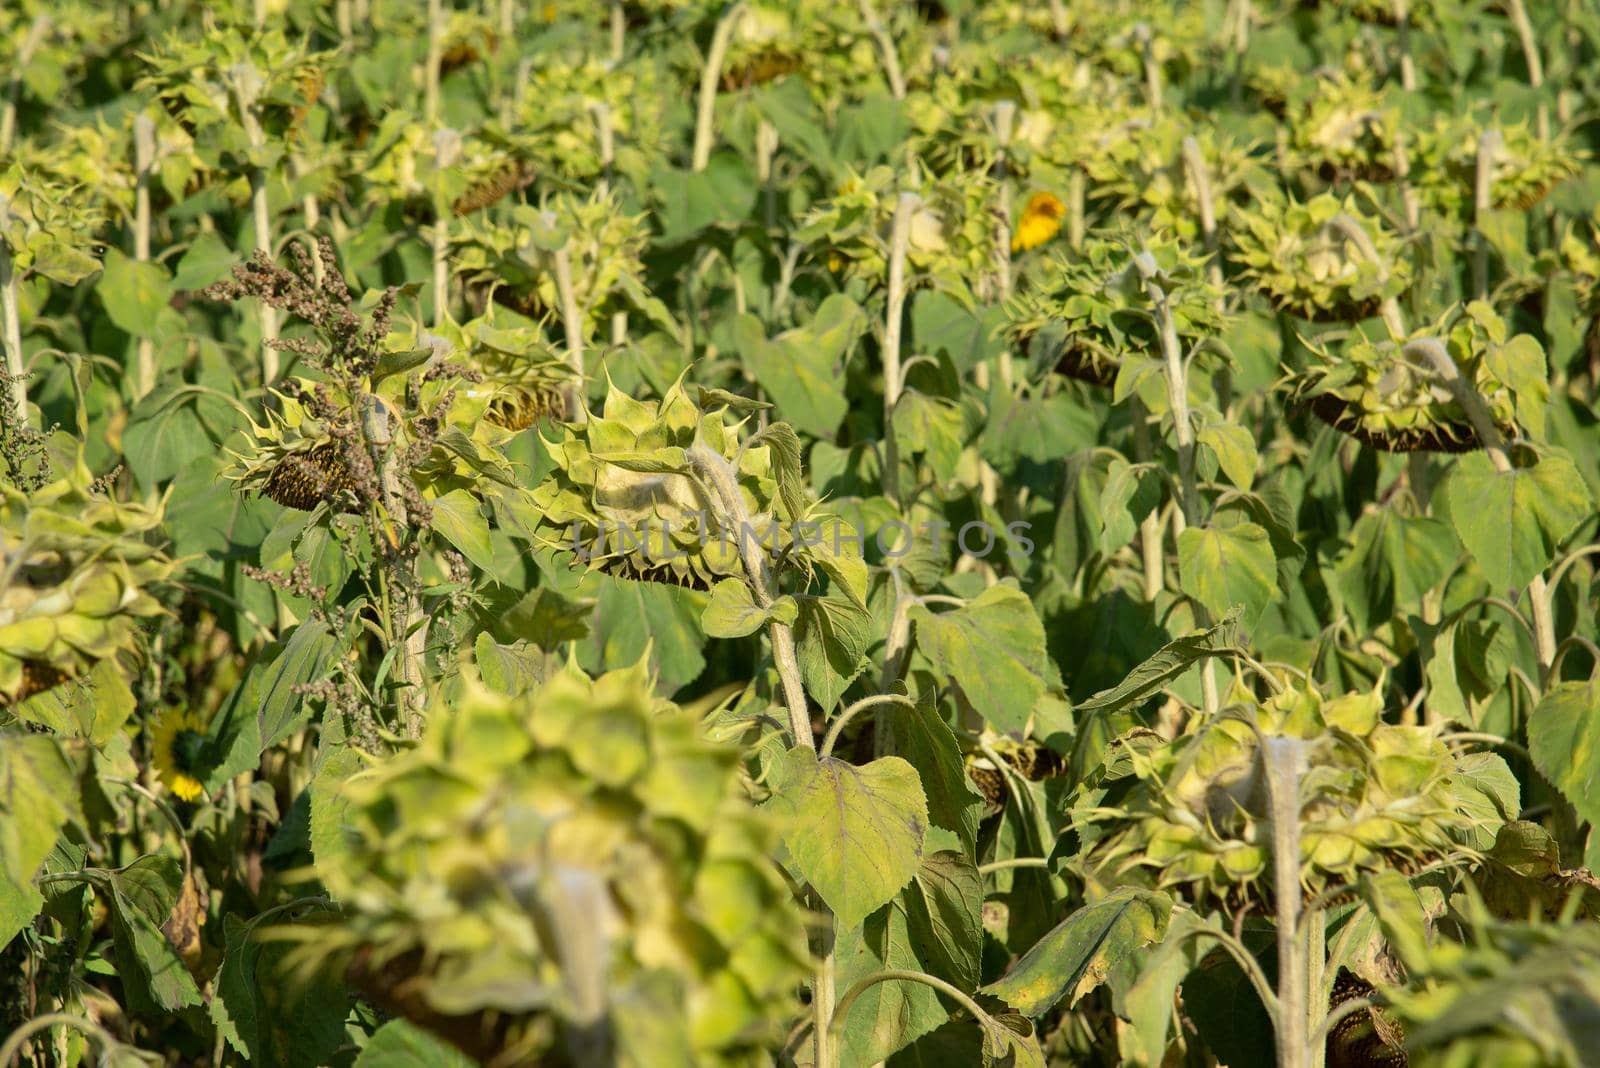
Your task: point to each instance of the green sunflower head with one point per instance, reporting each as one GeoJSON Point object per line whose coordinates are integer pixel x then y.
{"type": "Point", "coordinates": [1373, 796]}
{"type": "Point", "coordinates": [1385, 395]}
{"type": "Point", "coordinates": [1088, 311]}
{"type": "Point", "coordinates": [1305, 260]}
{"type": "Point", "coordinates": [82, 566]}
{"type": "Point", "coordinates": [576, 869]}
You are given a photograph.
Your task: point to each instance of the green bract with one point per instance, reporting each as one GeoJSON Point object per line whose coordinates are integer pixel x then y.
{"type": "Point", "coordinates": [955, 236]}
{"type": "Point", "coordinates": [1298, 256]}
{"type": "Point", "coordinates": [1375, 796]}
{"type": "Point", "coordinates": [1345, 130]}
{"type": "Point", "coordinates": [1390, 398]}
{"type": "Point", "coordinates": [574, 869]}
{"type": "Point", "coordinates": [1522, 168]}
{"type": "Point", "coordinates": [1090, 311]}
{"type": "Point", "coordinates": [603, 245]}
{"type": "Point", "coordinates": [311, 450]}
{"type": "Point", "coordinates": [624, 500]}
{"type": "Point", "coordinates": [1139, 167]}
{"type": "Point", "coordinates": [79, 567]}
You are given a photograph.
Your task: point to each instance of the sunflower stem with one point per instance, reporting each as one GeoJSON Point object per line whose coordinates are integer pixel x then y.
{"type": "Point", "coordinates": [11, 330]}
{"type": "Point", "coordinates": [891, 58]}
{"type": "Point", "coordinates": [246, 85]}
{"type": "Point", "coordinates": [1188, 512]}
{"type": "Point", "coordinates": [894, 309]}
{"type": "Point", "coordinates": [1285, 763]}
{"type": "Point", "coordinates": [1489, 143]}
{"type": "Point", "coordinates": [705, 112]}
{"type": "Point", "coordinates": [144, 153]}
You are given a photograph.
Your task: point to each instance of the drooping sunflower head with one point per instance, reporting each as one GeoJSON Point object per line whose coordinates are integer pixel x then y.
{"type": "Point", "coordinates": [1040, 221]}
{"type": "Point", "coordinates": [178, 749]}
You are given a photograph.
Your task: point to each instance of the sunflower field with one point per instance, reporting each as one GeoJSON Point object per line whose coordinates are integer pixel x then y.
{"type": "Point", "coordinates": [800, 533]}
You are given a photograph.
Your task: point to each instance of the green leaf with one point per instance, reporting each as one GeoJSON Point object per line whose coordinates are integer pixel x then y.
{"type": "Point", "coordinates": [267, 1016]}
{"type": "Point", "coordinates": [401, 1044]}
{"type": "Point", "coordinates": [509, 669]}
{"type": "Point", "coordinates": [1149, 1003]}
{"type": "Point", "coordinates": [887, 1016]}
{"type": "Point", "coordinates": [1009, 1041]}
{"type": "Point", "coordinates": [992, 648]}
{"type": "Point", "coordinates": [1235, 450]}
{"type": "Point", "coordinates": [630, 617]}
{"type": "Point", "coordinates": [1564, 741]}
{"type": "Point", "coordinates": [134, 293]}
{"type": "Point", "coordinates": [305, 658]}
{"type": "Point", "coordinates": [1392, 561]}
{"type": "Point", "coordinates": [1228, 566]}
{"type": "Point", "coordinates": [1075, 957]}
{"type": "Point", "coordinates": [944, 905]}
{"type": "Point", "coordinates": [208, 260]}
{"type": "Point", "coordinates": [831, 639]}
{"type": "Point", "coordinates": [855, 833]}
{"type": "Point", "coordinates": [1512, 522]}
{"type": "Point", "coordinates": [795, 369]}
{"type": "Point", "coordinates": [1131, 492]}
{"type": "Point", "coordinates": [153, 975]}
{"type": "Point", "coordinates": [1164, 665]}
{"type": "Point", "coordinates": [924, 739]}
{"type": "Point", "coordinates": [733, 613]}
{"type": "Point", "coordinates": [37, 797]}
{"type": "Point", "coordinates": [93, 707]}
{"type": "Point", "coordinates": [173, 429]}
{"type": "Point", "coordinates": [459, 518]}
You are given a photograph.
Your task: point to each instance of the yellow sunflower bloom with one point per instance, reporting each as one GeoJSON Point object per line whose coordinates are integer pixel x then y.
{"type": "Point", "coordinates": [177, 742]}
{"type": "Point", "coordinates": [1041, 220]}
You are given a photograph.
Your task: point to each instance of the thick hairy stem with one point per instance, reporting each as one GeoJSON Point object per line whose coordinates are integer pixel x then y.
{"type": "Point", "coordinates": [1285, 760]}
{"type": "Point", "coordinates": [1402, 24]}
{"type": "Point", "coordinates": [891, 58]}
{"type": "Point", "coordinates": [11, 327]}
{"type": "Point", "coordinates": [572, 324]}
{"type": "Point", "coordinates": [1402, 176]}
{"type": "Point", "coordinates": [1356, 234]}
{"type": "Point", "coordinates": [1489, 144]}
{"type": "Point", "coordinates": [1438, 358]}
{"type": "Point", "coordinates": [246, 89]}
{"type": "Point", "coordinates": [766, 151]}
{"type": "Point", "coordinates": [446, 146]}
{"type": "Point", "coordinates": [705, 112]}
{"type": "Point", "coordinates": [1194, 164]}
{"type": "Point", "coordinates": [144, 154]}
{"type": "Point", "coordinates": [619, 30]}
{"type": "Point", "coordinates": [1152, 69]}
{"type": "Point", "coordinates": [823, 1010]}
{"type": "Point", "coordinates": [719, 475]}
{"type": "Point", "coordinates": [1151, 550]}
{"type": "Point", "coordinates": [430, 75]}
{"type": "Point", "coordinates": [894, 312]}
{"type": "Point", "coordinates": [1188, 512]}
{"type": "Point", "coordinates": [1075, 196]}
{"type": "Point", "coordinates": [30, 44]}
{"type": "Point", "coordinates": [1530, 55]}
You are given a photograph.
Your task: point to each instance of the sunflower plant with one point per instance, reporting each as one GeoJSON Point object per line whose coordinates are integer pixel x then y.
{"type": "Point", "coordinates": [1323, 260]}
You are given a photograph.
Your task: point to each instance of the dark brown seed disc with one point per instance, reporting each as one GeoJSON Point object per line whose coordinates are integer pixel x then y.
{"type": "Point", "coordinates": [1337, 413]}
{"type": "Point", "coordinates": [302, 480]}
{"type": "Point", "coordinates": [1367, 1038]}
{"type": "Point", "coordinates": [37, 677]}
{"type": "Point", "coordinates": [490, 190]}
